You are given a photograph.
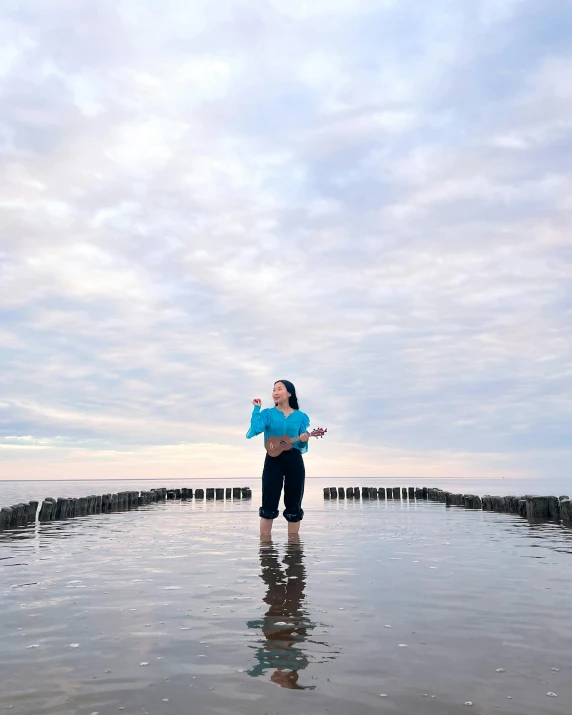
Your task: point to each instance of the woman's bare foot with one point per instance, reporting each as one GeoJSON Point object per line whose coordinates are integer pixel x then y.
{"type": "Point", "coordinates": [265, 527]}
{"type": "Point", "coordinates": [293, 527]}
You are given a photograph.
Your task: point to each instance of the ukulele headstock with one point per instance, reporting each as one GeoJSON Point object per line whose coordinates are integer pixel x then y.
{"type": "Point", "coordinates": [318, 432]}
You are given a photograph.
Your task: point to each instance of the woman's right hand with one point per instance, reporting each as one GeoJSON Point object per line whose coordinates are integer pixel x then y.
{"type": "Point", "coordinates": [257, 401]}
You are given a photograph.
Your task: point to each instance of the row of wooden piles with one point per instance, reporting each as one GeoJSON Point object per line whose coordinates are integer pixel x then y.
{"type": "Point", "coordinates": [535, 508]}
{"type": "Point", "coordinates": [376, 493]}
{"type": "Point", "coordinates": [530, 506]}
{"type": "Point", "coordinates": [63, 508]}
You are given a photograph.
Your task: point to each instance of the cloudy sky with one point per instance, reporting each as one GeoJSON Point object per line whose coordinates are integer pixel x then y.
{"type": "Point", "coordinates": [371, 198]}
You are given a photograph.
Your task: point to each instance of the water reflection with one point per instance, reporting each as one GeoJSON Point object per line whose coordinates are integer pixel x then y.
{"type": "Point", "coordinates": [286, 624]}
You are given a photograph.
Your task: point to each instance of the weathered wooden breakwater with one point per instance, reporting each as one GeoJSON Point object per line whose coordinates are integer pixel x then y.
{"type": "Point", "coordinates": [23, 514]}
{"type": "Point", "coordinates": [530, 506]}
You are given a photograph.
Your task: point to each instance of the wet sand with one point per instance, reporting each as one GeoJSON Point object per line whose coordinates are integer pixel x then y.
{"type": "Point", "coordinates": [378, 607]}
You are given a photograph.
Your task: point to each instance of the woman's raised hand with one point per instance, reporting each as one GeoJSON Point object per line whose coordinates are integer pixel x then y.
{"type": "Point", "coordinates": [257, 401]}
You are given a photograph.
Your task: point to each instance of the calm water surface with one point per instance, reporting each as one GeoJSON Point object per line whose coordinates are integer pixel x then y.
{"type": "Point", "coordinates": [392, 607]}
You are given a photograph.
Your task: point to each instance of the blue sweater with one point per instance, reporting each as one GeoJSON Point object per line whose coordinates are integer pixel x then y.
{"type": "Point", "coordinates": [274, 424]}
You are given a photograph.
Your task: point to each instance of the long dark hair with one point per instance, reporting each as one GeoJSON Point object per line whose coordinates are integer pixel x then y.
{"type": "Point", "coordinates": [292, 400]}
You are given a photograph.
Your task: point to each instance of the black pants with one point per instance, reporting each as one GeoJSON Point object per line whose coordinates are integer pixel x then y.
{"type": "Point", "coordinates": [287, 469]}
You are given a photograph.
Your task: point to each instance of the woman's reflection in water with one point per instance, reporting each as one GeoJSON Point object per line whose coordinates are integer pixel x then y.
{"type": "Point", "coordinates": [286, 623]}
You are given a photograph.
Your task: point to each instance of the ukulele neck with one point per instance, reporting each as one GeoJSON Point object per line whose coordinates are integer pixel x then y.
{"type": "Point", "coordinates": [295, 439]}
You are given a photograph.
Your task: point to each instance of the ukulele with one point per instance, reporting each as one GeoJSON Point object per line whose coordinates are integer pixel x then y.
{"type": "Point", "coordinates": [277, 445]}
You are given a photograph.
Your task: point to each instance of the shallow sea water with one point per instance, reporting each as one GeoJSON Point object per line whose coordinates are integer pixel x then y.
{"type": "Point", "coordinates": [393, 607]}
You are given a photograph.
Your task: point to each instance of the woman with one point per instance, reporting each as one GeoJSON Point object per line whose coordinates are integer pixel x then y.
{"type": "Point", "coordinates": [285, 418]}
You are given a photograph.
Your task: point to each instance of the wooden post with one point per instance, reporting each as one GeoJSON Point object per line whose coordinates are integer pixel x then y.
{"type": "Point", "coordinates": [510, 504]}
{"type": "Point", "coordinates": [228, 493]}
{"type": "Point", "coordinates": [389, 493]}
{"type": "Point", "coordinates": [373, 492]}
{"type": "Point", "coordinates": [418, 493]}
{"type": "Point", "coordinates": [411, 491]}
{"type": "Point", "coordinates": [554, 508]}
{"type": "Point", "coordinates": [566, 512]}
{"type": "Point", "coordinates": [171, 494]}
{"type": "Point", "coordinates": [47, 509]}
{"type": "Point", "coordinates": [333, 492]}
{"type": "Point", "coordinates": [326, 492]}
{"type": "Point", "coordinates": [27, 515]}
{"type": "Point", "coordinates": [219, 493]}
{"type": "Point", "coordinates": [236, 493]}
{"type": "Point", "coordinates": [515, 504]}
{"type": "Point", "coordinates": [381, 493]}
{"type": "Point", "coordinates": [537, 508]}
{"type": "Point", "coordinates": [472, 501]}
{"type": "Point", "coordinates": [5, 517]}
{"type": "Point", "coordinates": [62, 509]}
{"type": "Point", "coordinates": [199, 493]}
{"type": "Point", "coordinates": [14, 516]}
{"type": "Point", "coordinates": [210, 492]}
{"type": "Point", "coordinates": [424, 492]}
{"type": "Point", "coordinates": [404, 493]}
{"type": "Point", "coordinates": [341, 493]}
{"type": "Point", "coordinates": [19, 514]}
{"type": "Point", "coordinates": [33, 511]}
{"type": "Point", "coordinates": [349, 493]}
{"type": "Point", "coordinates": [396, 492]}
